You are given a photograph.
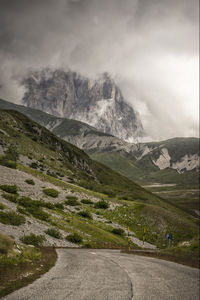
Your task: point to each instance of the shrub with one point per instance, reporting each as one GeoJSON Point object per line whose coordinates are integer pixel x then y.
{"type": "Point", "coordinates": [8, 163]}
{"type": "Point", "coordinates": [2, 206]}
{"type": "Point", "coordinates": [38, 213]}
{"type": "Point", "coordinates": [6, 244]}
{"type": "Point", "coordinates": [54, 233]}
{"type": "Point", "coordinates": [21, 210]}
{"type": "Point", "coordinates": [32, 239]}
{"type": "Point", "coordinates": [33, 207]}
{"type": "Point", "coordinates": [72, 202]}
{"type": "Point", "coordinates": [10, 197]}
{"type": "Point", "coordinates": [12, 154]}
{"type": "Point", "coordinates": [48, 205]}
{"type": "Point", "coordinates": [85, 214]}
{"type": "Point", "coordinates": [102, 204]}
{"type": "Point", "coordinates": [74, 238]}
{"type": "Point", "coordinates": [118, 231]}
{"type": "Point", "coordinates": [51, 192]}
{"type": "Point", "coordinates": [30, 181]}
{"type": "Point", "coordinates": [28, 202]}
{"type": "Point", "coordinates": [59, 205]}
{"type": "Point", "coordinates": [86, 201]}
{"type": "Point", "coordinates": [11, 218]}
{"type": "Point", "coordinates": [12, 189]}
{"type": "Point", "coordinates": [33, 165]}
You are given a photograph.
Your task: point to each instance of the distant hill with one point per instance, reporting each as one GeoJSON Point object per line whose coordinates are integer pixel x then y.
{"type": "Point", "coordinates": [172, 161]}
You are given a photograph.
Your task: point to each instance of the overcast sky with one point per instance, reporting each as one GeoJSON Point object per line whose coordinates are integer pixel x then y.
{"type": "Point", "coordinates": [150, 47]}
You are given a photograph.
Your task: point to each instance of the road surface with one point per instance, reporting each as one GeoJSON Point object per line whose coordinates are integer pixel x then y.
{"type": "Point", "coordinates": [87, 274]}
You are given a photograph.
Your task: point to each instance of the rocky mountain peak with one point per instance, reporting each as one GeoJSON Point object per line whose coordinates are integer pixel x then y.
{"type": "Point", "coordinates": [99, 102]}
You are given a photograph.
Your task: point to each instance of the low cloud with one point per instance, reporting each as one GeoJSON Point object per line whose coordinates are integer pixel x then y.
{"type": "Point", "coordinates": [149, 46]}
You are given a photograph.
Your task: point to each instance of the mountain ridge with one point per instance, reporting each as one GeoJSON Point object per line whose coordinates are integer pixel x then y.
{"type": "Point", "coordinates": [142, 162]}
{"type": "Point", "coordinates": [98, 102]}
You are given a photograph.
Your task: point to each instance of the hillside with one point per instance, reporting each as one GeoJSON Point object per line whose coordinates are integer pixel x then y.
{"type": "Point", "coordinates": [33, 160]}
{"type": "Point", "coordinates": [174, 161]}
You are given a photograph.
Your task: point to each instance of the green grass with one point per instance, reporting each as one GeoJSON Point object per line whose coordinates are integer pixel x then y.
{"type": "Point", "coordinates": [85, 214]}
{"type": "Point", "coordinates": [54, 233]}
{"type": "Point", "coordinates": [30, 181]}
{"type": "Point", "coordinates": [10, 197]}
{"type": "Point", "coordinates": [102, 204]}
{"type": "Point", "coordinates": [144, 171]}
{"type": "Point", "coordinates": [86, 201]}
{"type": "Point", "coordinates": [12, 189]}
{"type": "Point", "coordinates": [2, 206]}
{"type": "Point", "coordinates": [186, 255]}
{"type": "Point", "coordinates": [33, 239]}
{"type": "Point", "coordinates": [72, 201]}
{"type": "Point", "coordinates": [34, 207]}
{"type": "Point", "coordinates": [11, 218]}
{"type": "Point", "coordinates": [118, 231]}
{"type": "Point", "coordinates": [30, 261]}
{"type": "Point", "coordinates": [51, 192]}
{"type": "Point", "coordinates": [6, 244]}
{"type": "Point", "coordinates": [74, 238]}
{"type": "Point", "coordinates": [141, 208]}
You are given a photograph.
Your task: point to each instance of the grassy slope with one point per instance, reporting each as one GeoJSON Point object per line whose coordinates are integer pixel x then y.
{"type": "Point", "coordinates": [58, 154]}
{"type": "Point", "coordinates": [20, 265]}
{"type": "Point", "coordinates": [142, 210]}
{"type": "Point", "coordinates": [144, 171]}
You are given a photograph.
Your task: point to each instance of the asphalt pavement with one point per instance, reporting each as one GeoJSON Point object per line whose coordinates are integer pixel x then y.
{"type": "Point", "coordinates": [87, 274]}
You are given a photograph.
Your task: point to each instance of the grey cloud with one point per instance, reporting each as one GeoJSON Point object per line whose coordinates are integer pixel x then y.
{"type": "Point", "coordinates": [127, 38]}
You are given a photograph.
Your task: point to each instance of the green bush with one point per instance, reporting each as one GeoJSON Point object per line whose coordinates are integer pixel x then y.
{"type": "Point", "coordinates": [11, 218]}
{"type": "Point", "coordinates": [86, 201]}
{"type": "Point", "coordinates": [8, 163]}
{"type": "Point", "coordinates": [30, 181]}
{"type": "Point", "coordinates": [28, 202]}
{"type": "Point", "coordinates": [51, 192]}
{"type": "Point", "coordinates": [6, 244]}
{"type": "Point", "coordinates": [118, 231]}
{"type": "Point", "coordinates": [48, 205]}
{"type": "Point", "coordinates": [33, 165]}
{"type": "Point", "coordinates": [12, 154]}
{"type": "Point", "coordinates": [54, 233]}
{"type": "Point", "coordinates": [102, 204]}
{"type": "Point", "coordinates": [59, 206]}
{"type": "Point", "coordinates": [2, 206]}
{"type": "Point", "coordinates": [23, 211]}
{"type": "Point", "coordinates": [33, 207]}
{"type": "Point", "coordinates": [10, 197]}
{"type": "Point", "coordinates": [38, 213]}
{"type": "Point", "coordinates": [12, 189]}
{"type": "Point", "coordinates": [72, 202]}
{"type": "Point", "coordinates": [85, 214]}
{"type": "Point", "coordinates": [74, 238]}
{"type": "Point", "coordinates": [32, 239]}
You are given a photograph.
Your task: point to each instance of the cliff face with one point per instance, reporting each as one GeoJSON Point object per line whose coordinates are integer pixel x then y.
{"type": "Point", "coordinates": [98, 103]}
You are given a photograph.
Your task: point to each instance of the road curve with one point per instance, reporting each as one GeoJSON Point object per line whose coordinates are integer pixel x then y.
{"type": "Point", "coordinates": [86, 274]}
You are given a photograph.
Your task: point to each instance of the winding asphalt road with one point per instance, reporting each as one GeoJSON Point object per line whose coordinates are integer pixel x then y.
{"type": "Point", "coordinates": [83, 274]}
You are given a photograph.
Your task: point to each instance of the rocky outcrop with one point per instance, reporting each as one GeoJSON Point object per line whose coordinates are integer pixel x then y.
{"type": "Point", "coordinates": [99, 103]}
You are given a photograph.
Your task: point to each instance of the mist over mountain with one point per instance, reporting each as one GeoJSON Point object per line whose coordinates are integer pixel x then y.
{"type": "Point", "coordinates": [99, 102]}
